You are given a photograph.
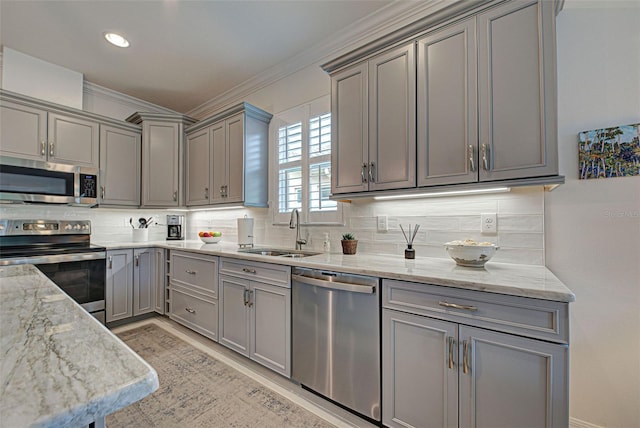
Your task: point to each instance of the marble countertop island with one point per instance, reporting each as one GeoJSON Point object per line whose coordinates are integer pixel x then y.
{"type": "Point", "coordinates": [60, 366]}
{"type": "Point", "coordinates": [503, 278]}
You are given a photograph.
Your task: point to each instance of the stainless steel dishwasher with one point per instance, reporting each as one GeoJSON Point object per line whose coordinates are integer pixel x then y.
{"type": "Point", "coordinates": [336, 337]}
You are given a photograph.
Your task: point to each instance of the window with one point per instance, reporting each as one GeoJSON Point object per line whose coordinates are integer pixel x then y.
{"type": "Point", "coordinates": [303, 164]}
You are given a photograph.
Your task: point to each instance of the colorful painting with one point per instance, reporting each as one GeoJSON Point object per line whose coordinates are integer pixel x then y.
{"type": "Point", "coordinates": [610, 152]}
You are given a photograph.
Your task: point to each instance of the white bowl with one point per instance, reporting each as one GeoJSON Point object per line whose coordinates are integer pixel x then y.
{"type": "Point", "coordinates": [210, 239]}
{"type": "Point", "coordinates": [470, 253]}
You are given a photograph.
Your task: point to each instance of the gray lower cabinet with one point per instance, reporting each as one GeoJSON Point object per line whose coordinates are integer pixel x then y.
{"type": "Point", "coordinates": [160, 280]}
{"type": "Point", "coordinates": [120, 151]}
{"type": "Point", "coordinates": [439, 370]}
{"type": "Point", "coordinates": [193, 292]}
{"type": "Point", "coordinates": [130, 283]}
{"type": "Point", "coordinates": [255, 312]}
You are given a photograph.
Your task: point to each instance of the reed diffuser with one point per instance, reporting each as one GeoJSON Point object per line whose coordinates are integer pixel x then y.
{"type": "Point", "coordinates": [410, 253]}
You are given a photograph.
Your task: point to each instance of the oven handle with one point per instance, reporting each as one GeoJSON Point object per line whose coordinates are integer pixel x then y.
{"type": "Point", "coordinates": [334, 285]}
{"type": "Point", "coordinates": [51, 259]}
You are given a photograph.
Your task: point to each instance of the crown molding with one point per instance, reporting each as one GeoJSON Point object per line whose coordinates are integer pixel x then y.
{"type": "Point", "coordinates": [391, 18]}
{"type": "Point", "coordinates": [134, 103]}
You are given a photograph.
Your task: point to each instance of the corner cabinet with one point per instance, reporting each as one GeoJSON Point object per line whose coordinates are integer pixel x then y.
{"type": "Point", "coordinates": [120, 148]}
{"type": "Point", "coordinates": [255, 312]}
{"type": "Point", "coordinates": [36, 130]}
{"type": "Point", "coordinates": [227, 158]}
{"type": "Point", "coordinates": [461, 358]}
{"type": "Point", "coordinates": [162, 156]}
{"type": "Point", "coordinates": [373, 123]}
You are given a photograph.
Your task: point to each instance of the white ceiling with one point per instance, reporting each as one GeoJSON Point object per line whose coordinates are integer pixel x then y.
{"type": "Point", "coordinates": [183, 53]}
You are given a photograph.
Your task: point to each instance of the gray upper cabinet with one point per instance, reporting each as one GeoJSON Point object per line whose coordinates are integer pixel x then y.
{"type": "Point", "coordinates": [373, 125]}
{"type": "Point", "coordinates": [162, 146]}
{"type": "Point", "coordinates": [30, 132]}
{"type": "Point", "coordinates": [517, 91]}
{"type": "Point", "coordinates": [447, 106]}
{"type": "Point", "coordinates": [227, 158]}
{"type": "Point", "coordinates": [120, 149]}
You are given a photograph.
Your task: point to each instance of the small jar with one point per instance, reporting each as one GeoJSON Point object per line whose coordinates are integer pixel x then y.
{"type": "Point", "coordinates": [409, 253]}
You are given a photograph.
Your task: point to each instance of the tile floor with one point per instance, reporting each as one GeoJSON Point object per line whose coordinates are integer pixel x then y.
{"type": "Point", "coordinates": [279, 384]}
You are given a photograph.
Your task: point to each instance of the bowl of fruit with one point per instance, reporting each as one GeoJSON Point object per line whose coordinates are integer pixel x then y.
{"type": "Point", "coordinates": [210, 237]}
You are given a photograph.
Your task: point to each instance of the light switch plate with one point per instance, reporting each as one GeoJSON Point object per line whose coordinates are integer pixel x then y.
{"type": "Point", "coordinates": [383, 223]}
{"type": "Point", "coordinates": [488, 223]}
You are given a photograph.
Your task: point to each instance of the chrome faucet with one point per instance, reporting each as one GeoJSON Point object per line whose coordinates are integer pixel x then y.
{"type": "Point", "coordinates": [294, 223]}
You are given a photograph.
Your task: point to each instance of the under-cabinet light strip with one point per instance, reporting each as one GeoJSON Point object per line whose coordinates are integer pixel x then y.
{"type": "Point", "coordinates": [446, 193]}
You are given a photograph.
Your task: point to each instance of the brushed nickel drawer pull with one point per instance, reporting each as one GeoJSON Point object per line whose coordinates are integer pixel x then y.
{"type": "Point", "coordinates": [465, 357]}
{"type": "Point", "coordinates": [191, 311]}
{"type": "Point", "coordinates": [248, 270]}
{"type": "Point", "coordinates": [191, 272]}
{"type": "Point", "coordinates": [456, 306]}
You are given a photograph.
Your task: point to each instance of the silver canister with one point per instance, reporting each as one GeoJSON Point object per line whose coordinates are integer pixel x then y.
{"type": "Point", "coordinates": [245, 232]}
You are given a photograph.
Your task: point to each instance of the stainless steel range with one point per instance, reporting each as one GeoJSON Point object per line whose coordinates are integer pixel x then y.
{"type": "Point", "coordinates": [62, 250]}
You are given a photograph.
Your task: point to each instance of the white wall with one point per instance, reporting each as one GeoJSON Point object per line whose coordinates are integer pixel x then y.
{"type": "Point", "coordinates": [592, 227]}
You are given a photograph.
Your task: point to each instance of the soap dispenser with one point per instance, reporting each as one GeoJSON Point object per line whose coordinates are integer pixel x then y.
{"type": "Point", "coordinates": [326, 244]}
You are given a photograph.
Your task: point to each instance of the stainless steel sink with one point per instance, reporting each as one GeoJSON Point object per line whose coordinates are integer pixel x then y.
{"type": "Point", "coordinates": [278, 252]}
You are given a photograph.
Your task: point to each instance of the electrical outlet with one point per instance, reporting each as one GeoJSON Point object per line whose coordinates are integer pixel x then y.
{"type": "Point", "coordinates": [383, 223]}
{"type": "Point", "coordinates": [488, 224]}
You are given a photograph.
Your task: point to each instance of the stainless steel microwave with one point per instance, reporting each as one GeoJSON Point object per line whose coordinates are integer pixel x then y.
{"type": "Point", "coordinates": [24, 181]}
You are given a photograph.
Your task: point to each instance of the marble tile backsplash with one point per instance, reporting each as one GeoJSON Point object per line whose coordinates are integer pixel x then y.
{"type": "Point", "coordinates": [520, 216]}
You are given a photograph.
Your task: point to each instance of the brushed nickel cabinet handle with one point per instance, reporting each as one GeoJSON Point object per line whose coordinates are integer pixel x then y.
{"type": "Point", "coordinates": [110, 262]}
{"type": "Point", "coordinates": [137, 260]}
{"type": "Point", "coordinates": [102, 192]}
{"type": "Point", "coordinates": [222, 191]}
{"type": "Point", "coordinates": [245, 296]}
{"type": "Point", "coordinates": [465, 357]}
{"type": "Point", "coordinates": [248, 270]}
{"type": "Point", "coordinates": [191, 272]}
{"type": "Point", "coordinates": [372, 168]}
{"type": "Point", "coordinates": [457, 306]}
{"type": "Point", "coordinates": [191, 311]}
{"type": "Point", "coordinates": [250, 298]}
{"type": "Point", "coordinates": [226, 191]}
{"type": "Point", "coordinates": [363, 173]}
{"type": "Point", "coordinates": [51, 149]}
{"type": "Point", "coordinates": [175, 195]}
{"type": "Point", "coordinates": [451, 341]}
{"type": "Point", "coordinates": [472, 165]}
{"type": "Point", "coordinates": [485, 157]}
{"type": "Point", "coordinates": [206, 193]}
{"type": "Point", "coordinates": [43, 148]}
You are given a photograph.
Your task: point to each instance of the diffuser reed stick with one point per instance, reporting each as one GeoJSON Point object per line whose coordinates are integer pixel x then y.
{"type": "Point", "coordinates": [410, 253]}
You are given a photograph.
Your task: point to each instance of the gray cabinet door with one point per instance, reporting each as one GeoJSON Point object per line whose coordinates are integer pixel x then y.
{"type": "Point", "coordinates": [447, 106]}
{"type": "Point", "coordinates": [219, 162]}
{"type": "Point", "coordinates": [119, 285]}
{"type": "Point", "coordinates": [73, 140]}
{"type": "Point", "coordinates": [510, 381]}
{"type": "Point", "coordinates": [144, 289]}
{"type": "Point", "coordinates": [349, 130]}
{"type": "Point", "coordinates": [270, 330]}
{"type": "Point", "coordinates": [419, 371]}
{"type": "Point", "coordinates": [23, 131]}
{"type": "Point", "coordinates": [517, 102]}
{"type": "Point", "coordinates": [392, 119]}
{"type": "Point", "coordinates": [235, 149]}
{"type": "Point", "coordinates": [160, 280]}
{"type": "Point", "coordinates": [119, 166]}
{"type": "Point", "coordinates": [198, 167]}
{"type": "Point", "coordinates": [233, 321]}
{"type": "Point", "coordinates": [160, 164]}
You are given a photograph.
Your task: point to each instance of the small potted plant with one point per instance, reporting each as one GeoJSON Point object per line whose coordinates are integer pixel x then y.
{"type": "Point", "coordinates": [349, 243]}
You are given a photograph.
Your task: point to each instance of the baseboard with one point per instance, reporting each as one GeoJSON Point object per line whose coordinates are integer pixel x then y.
{"type": "Point", "coordinates": [577, 423]}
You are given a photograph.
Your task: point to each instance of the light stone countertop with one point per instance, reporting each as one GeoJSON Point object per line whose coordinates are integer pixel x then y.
{"type": "Point", "coordinates": [503, 278]}
{"type": "Point", "coordinates": [60, 366]}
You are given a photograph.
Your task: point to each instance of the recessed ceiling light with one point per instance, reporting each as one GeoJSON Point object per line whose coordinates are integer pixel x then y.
{"type": "Point", "coordinates": [117, 40]}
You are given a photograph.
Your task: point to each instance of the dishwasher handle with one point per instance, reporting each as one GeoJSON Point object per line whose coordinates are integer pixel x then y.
{"type": "Point", "coordinates": [334, 285]}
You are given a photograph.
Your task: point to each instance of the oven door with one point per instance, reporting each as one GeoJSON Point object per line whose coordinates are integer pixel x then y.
{"type": "Point", "coordinates": [81, 276]}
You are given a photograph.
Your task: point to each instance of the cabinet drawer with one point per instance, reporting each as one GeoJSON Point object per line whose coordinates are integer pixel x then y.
{"type": "Point", "coordinates": [536, 318]}
{"type": "Point", "coordinates": [264, 272]}
{"type": "Point", "coordinates": [198, 314]}
{"type": "Point", "coordinates": [197, 271]}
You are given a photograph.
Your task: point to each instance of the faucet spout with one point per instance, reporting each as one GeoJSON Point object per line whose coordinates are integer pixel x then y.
{"type": "Point", "coordinates": [294, 223]}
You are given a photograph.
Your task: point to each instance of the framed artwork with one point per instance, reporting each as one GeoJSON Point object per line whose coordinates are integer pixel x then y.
{"type": "Point", "coordinates": [609, 152]}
